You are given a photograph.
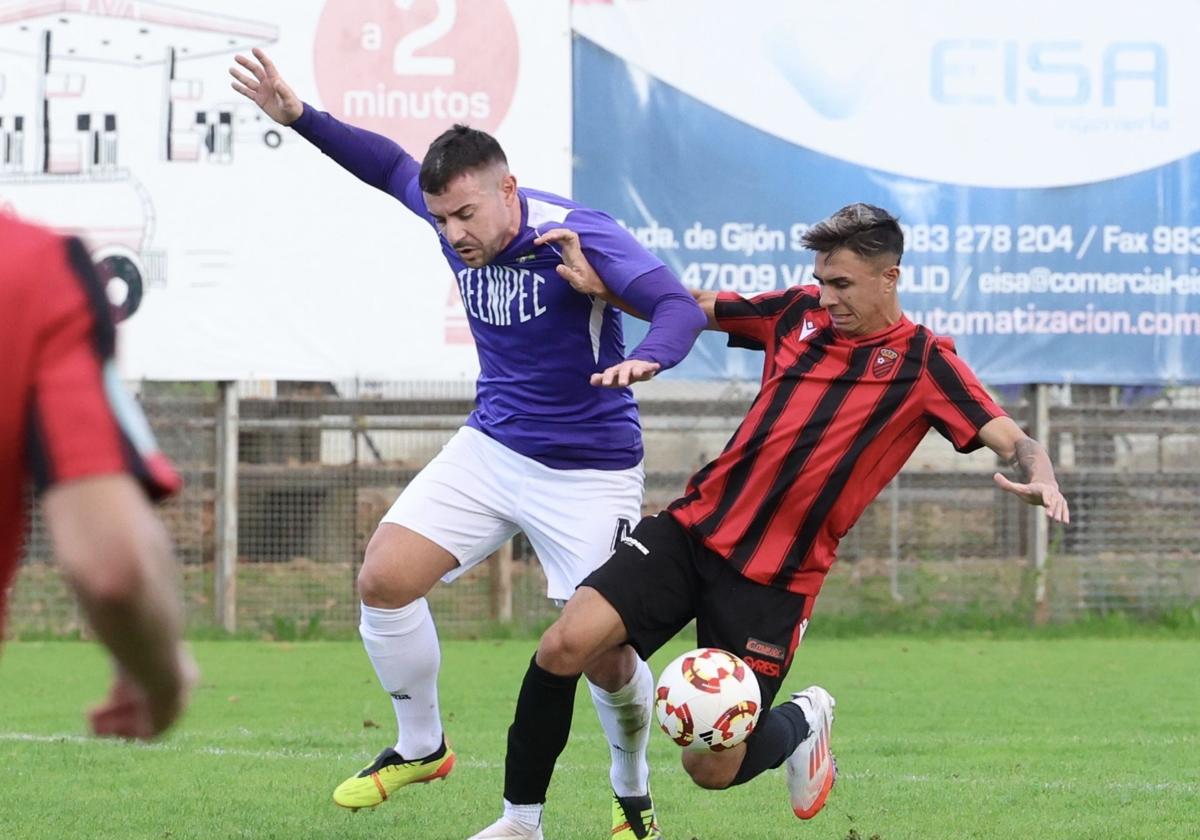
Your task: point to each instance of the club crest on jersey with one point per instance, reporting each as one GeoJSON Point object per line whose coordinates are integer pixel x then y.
{"type": "Point", "coordinates": [885, 360]}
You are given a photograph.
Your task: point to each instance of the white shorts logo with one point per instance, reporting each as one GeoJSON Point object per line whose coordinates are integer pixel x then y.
{"type": "Point", "coordinates": [624, 528]}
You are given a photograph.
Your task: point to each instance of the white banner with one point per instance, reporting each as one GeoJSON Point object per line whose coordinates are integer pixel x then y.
{"type": "Point", "coordinates": [247, 253]}
{"type": "Point", "coordinates": [980, 94]}
{"type": "Point", "coordinates": [1042, 158]}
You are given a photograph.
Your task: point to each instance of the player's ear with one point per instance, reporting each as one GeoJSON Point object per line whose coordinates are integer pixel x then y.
{"type": "Point", "coordinates": [508, 186]}
{"type": "Point", "coordinates": [891, 276]}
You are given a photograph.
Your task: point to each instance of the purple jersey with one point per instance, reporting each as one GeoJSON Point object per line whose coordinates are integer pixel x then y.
{"type": "Point", "coordinates": [538, 339]}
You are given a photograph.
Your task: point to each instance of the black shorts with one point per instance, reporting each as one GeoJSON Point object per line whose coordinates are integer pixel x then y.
{"type": "Point", "coordinates": [659, 578]}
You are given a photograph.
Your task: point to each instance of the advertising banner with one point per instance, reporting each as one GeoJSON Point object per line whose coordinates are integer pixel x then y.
{"type": "Point", "coordinates": [1042, 158]}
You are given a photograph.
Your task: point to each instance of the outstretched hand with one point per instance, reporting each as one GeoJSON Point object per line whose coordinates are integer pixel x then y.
{"type": "Point", "coordinates": [574, 268]}
{"type": "Point", "coordinates": [1038, 493]}
{"type": "Point", "coordinates": [628, 371]}
{"type": "Point", "coordinates": [263, 86]}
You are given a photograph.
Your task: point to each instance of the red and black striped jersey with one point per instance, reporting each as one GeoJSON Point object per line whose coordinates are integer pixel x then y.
{"type": "Point", "coordinates": [834, 421]}
{"type": "Point", "coordinates": [63, 413]}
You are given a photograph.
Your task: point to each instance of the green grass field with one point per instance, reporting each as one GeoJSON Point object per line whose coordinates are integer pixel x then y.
{"type": "Point", "coordinates": [1070, 738]}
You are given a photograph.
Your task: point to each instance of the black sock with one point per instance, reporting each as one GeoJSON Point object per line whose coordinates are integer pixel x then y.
{"type": "Point", "coordinates": [777, 735]}
{"type": "Point", "coordinates": [538, 734]}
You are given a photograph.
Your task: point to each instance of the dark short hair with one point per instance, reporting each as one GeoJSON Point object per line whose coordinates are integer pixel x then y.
{"type": "Point", "coordinates": [865, 229]}
{"type": "Point", "coordinates": [457, 150]}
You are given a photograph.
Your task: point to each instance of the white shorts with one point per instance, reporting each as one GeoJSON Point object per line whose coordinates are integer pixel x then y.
{"type": "Point", "coordinates": [477, 493]}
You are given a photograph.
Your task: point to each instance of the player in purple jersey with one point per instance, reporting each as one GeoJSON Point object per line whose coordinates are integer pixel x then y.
{"type": "Point", "coordinates": [554, 433]}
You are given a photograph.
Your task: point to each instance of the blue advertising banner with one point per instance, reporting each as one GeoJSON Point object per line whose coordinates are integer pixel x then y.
{"type": "Point", "coordinates": [1044, 167]}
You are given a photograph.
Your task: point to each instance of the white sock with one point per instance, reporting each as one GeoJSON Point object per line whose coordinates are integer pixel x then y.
{"type": "Point", "coordinates": [529, 816]}
{"type": "Point", "coordinates": [625, 717]}
{"type": "Point", "coordinates": [403, 646]}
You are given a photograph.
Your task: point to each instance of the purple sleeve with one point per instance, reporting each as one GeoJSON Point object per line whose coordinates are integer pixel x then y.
{"type": "Point", "coordinates": [675, 317]}
{"type": "Point", "coordinates": [642, 280]}
{"type": "Point", "coordinates": [618, 258]}
{"type": "Point", "coordinates": [371, 157]}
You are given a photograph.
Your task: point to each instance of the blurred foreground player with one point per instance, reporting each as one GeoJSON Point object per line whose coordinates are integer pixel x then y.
{"type": "Point", "coordinates": [66, 423]}
{"type": "Point", "coordinates": [849, 388]}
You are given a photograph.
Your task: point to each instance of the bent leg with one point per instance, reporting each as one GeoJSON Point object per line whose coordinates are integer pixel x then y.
{"type": "Point", "coordinates": [714, 770]}
{"type": "Point", "coordinates": [401, 641]}
{"type": "Point", "coordinates": [588, 628]}
{"type": "Point", "coordinates": [643, 596]}
{"type": "Point", "coordinates": [400, 567]}
{"type": "Point", "coordinates": [622, 689]}
{"type": "Point", "coordinates": [398, 632]}
{"type": "Point", "coordinates": [763, 625]}
{"type": "Point", "coordinates": [450, 517]}
{"type": "Point", "coordinates": [779, 732]}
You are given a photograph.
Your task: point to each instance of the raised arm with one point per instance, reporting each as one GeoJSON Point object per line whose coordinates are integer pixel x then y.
{"type": "Point", "coordinates": [1037, 484]}
{"type": "Point", "coordinates": [261, 83]}
{"type": "Point", "coordinates": [370, 157]}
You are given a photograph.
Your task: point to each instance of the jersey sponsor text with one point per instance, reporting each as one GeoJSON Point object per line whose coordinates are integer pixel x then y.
{"type": "Point", "coordinates": [501, 295]}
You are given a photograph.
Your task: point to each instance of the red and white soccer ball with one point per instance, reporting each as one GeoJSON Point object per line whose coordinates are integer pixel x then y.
{"type": "Point", "coordinates": [707, 699]}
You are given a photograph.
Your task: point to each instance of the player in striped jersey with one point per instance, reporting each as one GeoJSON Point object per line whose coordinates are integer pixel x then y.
{"type": "Point", "coordinates": [849, 388]}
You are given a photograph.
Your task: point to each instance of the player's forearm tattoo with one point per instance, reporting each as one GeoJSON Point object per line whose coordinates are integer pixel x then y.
{"type": "Point", "coordinates": [1025, 457]}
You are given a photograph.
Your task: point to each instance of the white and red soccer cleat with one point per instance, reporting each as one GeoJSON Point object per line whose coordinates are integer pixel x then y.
{"type": "Point", "coordinates": [811, 769]}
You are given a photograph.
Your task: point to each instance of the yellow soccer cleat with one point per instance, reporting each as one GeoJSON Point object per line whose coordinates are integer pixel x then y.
{"type": "Point", "coordinates": [633, 818]}
{"type": "Point", "coordinates": [388, 773]}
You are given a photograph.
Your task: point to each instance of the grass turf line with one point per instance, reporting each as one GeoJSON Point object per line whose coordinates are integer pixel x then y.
{"type": "Point", "coordinates": [936, 738]}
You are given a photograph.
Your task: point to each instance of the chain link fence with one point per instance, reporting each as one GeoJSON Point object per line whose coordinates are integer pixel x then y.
{"type": "Point", "coordinates": [318, 464]}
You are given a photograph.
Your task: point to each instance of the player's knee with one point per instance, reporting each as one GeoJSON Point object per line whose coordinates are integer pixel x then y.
{"type": "Point", "coordinates": [382, 582]}
{"type": "Point", "coordinates": [708, 780]}
{"type": "Point", "coordinates": [562, 650]}
{"type": "Point", "coordinates": [709, 771]}
{"type": "Point", "coordinates": [613, 668]}
{"type": "Point", "coordinates": [376, 588]}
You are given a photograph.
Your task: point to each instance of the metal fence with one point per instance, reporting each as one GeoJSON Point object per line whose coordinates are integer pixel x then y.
{"type": "Point", "coordinates": [285, 482]}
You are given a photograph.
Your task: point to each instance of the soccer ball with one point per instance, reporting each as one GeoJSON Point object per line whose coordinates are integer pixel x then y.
{"type": "Point", "coordinates": [707, 699]}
